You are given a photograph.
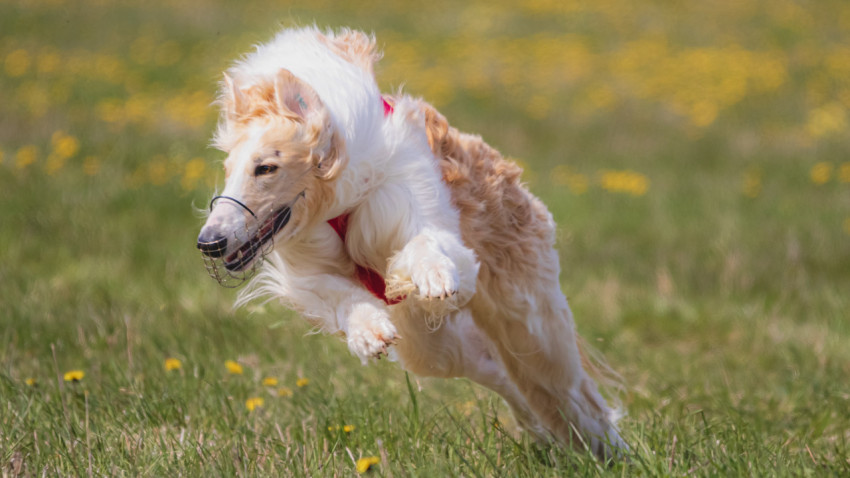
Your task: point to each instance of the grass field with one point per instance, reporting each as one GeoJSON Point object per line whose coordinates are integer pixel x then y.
{"type": "Point", "coordinates": [695, 156]}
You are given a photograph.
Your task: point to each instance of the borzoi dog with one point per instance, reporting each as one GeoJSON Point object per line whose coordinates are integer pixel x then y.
{"type": "Point", "coordinates": [380, 221]}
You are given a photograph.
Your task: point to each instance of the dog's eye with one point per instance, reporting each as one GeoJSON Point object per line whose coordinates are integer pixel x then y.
{"type": "Point", "coordinates": [264, 169]}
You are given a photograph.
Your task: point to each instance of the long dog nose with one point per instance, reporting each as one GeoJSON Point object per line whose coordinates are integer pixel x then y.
{"type": "Point", "coordinates": [212, 243]}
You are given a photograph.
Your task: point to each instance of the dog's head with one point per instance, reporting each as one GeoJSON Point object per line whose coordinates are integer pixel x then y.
{"type": "Point", "coordinates": [283, 154]}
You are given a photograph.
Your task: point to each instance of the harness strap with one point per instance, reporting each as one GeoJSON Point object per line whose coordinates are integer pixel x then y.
{"type": "Point", "coordinates": [370, 278]}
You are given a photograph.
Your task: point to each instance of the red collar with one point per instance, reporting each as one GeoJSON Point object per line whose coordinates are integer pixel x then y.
{"type": "Point", "coordinates": [388, 107]}
{"type": "Point", "coordinates": [370, 278]}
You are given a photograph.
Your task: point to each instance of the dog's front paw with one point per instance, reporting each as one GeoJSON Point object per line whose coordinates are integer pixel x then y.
{"type": "Point", "coordinates": [370, 332]}
{"type": "Point", "coordinates": [435, 277]}
{"type": "Point", "coordinates": [421, 269]}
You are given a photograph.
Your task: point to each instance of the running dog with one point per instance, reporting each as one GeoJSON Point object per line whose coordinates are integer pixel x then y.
{"type": "Point", "coordinates": [379, 221]}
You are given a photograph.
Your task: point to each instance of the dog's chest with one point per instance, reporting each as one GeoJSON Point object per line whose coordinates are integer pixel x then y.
{"type": "Point", "coordinates": [370, 278]}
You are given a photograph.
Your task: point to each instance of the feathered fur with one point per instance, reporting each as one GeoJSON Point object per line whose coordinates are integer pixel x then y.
{"type": "Point", "coordinates": [443, 217]}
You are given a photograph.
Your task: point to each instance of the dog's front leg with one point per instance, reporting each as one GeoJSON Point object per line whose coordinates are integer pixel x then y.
{"type": "Point", "coordinates": [434, 264]}
{"type": "Point", "coordinates": [336, 304]}
{"type": "Point", "coordinates": [315, 277]}
{"type": "Point", "coordinates": [368, 329]}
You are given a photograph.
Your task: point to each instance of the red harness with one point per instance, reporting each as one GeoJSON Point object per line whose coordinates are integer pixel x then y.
{"type": "Point", "coordinates": [370, 278]}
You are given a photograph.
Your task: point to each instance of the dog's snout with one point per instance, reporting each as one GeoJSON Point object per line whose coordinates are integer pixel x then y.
{"type": "Point", "coordinates": [212, 243]}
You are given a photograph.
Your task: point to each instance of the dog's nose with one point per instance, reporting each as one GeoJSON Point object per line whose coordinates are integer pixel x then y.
{"type": "Point", "coordinates": [212, 243]}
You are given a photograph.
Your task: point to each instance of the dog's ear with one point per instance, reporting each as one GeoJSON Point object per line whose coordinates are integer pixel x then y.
{"type": "Point", "coordinates": [296, 97]}
{"type": "Point", "coordinates": [330, 163]}
{"type": "Point", "coordinates": [235, 104]}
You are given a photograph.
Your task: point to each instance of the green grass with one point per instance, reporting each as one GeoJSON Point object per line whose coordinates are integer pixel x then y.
{"type": "Point", "coordinates": [724, 306]}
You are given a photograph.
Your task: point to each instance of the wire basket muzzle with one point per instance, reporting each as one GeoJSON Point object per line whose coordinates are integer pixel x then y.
{"type": "Point", "coordinates": [235, 258]}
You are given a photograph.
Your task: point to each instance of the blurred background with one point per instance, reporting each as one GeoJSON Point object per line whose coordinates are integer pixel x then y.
{"type": "Point", "coordinates": [694, 154]}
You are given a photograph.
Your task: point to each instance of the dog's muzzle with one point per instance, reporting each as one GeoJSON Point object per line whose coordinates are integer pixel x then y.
{"type": "Point", "coordinates": [234, 258]}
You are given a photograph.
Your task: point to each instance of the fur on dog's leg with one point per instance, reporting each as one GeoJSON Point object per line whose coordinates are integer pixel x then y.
{"type": "Point", "coordinates": [369, 330]}
{"type": "Point", "coordinates": [435, 269]}
{"type": "Point", "coordinates": [456, 347]}
{"type": "Point", "coordinates": [315, 277]}
{"type": "Point", "coordinates": [546, 366]}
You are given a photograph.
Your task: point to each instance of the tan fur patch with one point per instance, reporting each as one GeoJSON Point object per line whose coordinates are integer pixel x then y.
{"type": "Point", "coordinates": [513, 236]}
{"type": "Point", "coordinates": [356, 47]}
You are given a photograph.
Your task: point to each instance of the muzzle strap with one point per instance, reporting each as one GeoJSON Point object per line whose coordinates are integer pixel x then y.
{"type": "Point", "coordinates": [213, 200]}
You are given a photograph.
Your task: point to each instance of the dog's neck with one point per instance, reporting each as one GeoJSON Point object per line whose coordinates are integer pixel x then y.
{"type": "Point", "coordinates": [363, 172]}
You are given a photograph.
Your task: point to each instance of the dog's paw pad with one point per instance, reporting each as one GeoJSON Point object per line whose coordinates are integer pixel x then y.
{"type": "Point", "coordinates": [371, 340]}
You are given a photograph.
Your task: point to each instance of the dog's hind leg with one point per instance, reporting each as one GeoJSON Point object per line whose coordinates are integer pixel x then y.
{"type": "Point", "coordinates": [455, 347]}
{"type": "Point", "coordinates": [541, 356]}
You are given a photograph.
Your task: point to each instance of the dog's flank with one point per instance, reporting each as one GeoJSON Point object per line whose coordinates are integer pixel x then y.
{"type": "Point", "coordinates": [464, 248]}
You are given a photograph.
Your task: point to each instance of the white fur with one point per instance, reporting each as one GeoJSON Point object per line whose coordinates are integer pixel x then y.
{"type": "Point", "coordinates": [391, 187]}
{"type": "Point", "coordinates": [402, 224]}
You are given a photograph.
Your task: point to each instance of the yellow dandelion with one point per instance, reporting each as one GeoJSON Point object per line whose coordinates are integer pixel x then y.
{"type": "Point", "coordinates": [25, 156]}
{"type": "Point", "coordinates": [821, 172]}
{"type": "Point", "coordinates": [302, 382]}
{"type": "Point", "coordinates": [703, 113]}
{"type": "Point", "coordinates": [194, 171]}
{"type": "Point", "coordinates": [345, 428]}
{"type": "Point", "coordinates": [74, 375]}
{"type": "Point", "coordinates": [367, 462]}
{"type": "Point", "coordinates": [284, 392]}
{"type": "Point", "coordinates": [172, 364]}
{"type": "Point", "coordinates": [233, 367]}
{"type": "Point", "coordinates": [254, 402]}
{"type": "Point", "coordinates": [269, 382]}
{"type": "Point", "coordinates": [827, 120]}
{"type": "Point", "coordinates": [30, 381]}
{"type": "Point", "coordinates": [65, 145]}
{"type": "Point", "coordinates": [17, 63]}
{"type": "Point", "coordinates": [48, 62]}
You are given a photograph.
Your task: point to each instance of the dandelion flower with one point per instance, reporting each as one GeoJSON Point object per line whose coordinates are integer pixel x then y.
{"type": "Point", "coordinates": [74, 376]}
{"type": "Point", "coordinates": [30, 381]}
{"type": "Point", "coordinates": [172, 364]}
{"type": "Point", "coordinates": [269, 382]}
{"type": "Point", "coordinates": [345, 428]}
{"type": "Point", "coordinates": [233, 367]}
{"type": "Point", "coordinates": [25, 156]}
{"type": "Point", "coordinates": [254, 402]}
{"type": "Point", "coordinates": [821, 172]}
{"type": "Point", "coordinates": [302, 382]}
{"type": "Point", "coordinates": [367, 462]}
{"type": "Point", "coordinates": [284, 392]}
{"type": "Point", "coordinates": [17, 63]}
